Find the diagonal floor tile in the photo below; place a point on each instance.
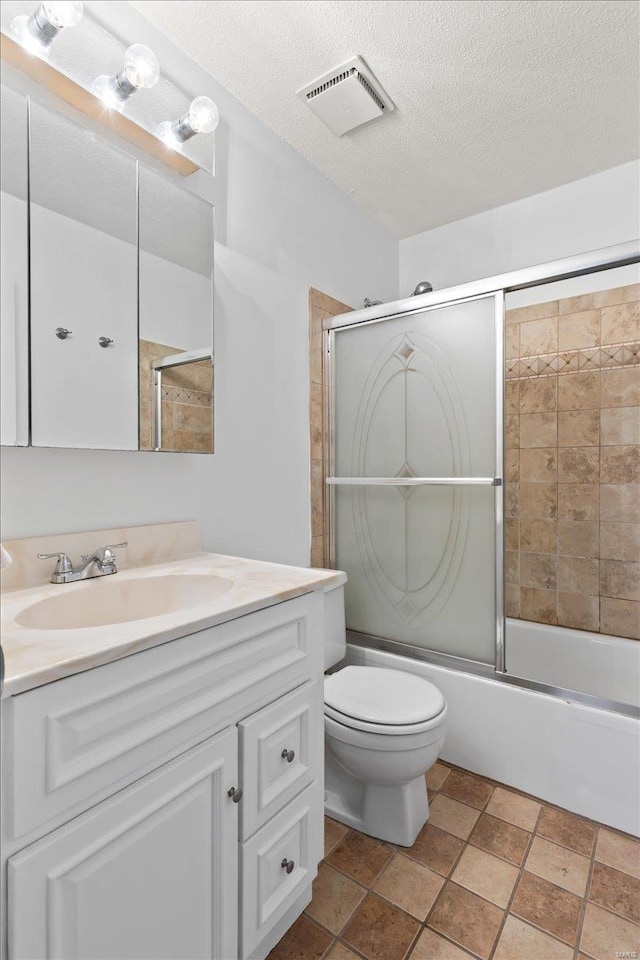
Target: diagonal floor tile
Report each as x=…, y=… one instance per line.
x=500, y=838
x=486, y=875
x=437, y=775
x=360, y=857
x=303, y=941
x=616, y=891
x=333, y=834
x=520, y=941
x=334, y=899
x=559, y=865
x=514, y=808
x=604, y=935
x=340, y=952
x=467, y=788
x=409, y=885
x=620, y=852
x=547, y=906
x=436, y=849
x=431, y=946
x=466, y=919
x=568, y=830
x=380, y=931
x=454, y=817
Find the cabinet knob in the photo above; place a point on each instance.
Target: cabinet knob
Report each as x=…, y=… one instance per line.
x=104, y=341
x=287, y=865
x=235, y=793
x=288, y=755
x=62, y=333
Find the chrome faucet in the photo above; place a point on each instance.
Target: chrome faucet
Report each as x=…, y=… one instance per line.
x=100, y=563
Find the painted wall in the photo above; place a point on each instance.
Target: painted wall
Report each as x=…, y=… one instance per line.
x=282, y=227
x=595, y=212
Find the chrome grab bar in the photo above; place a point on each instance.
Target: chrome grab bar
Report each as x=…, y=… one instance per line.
x=415, y=481
x=167, y=363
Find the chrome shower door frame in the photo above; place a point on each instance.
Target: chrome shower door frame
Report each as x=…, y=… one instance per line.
x=622, y=254
x=496, y=481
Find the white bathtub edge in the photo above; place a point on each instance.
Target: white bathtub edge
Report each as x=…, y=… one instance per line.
x=581, y=758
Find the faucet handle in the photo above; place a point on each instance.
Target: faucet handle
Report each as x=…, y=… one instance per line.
x=116, y=546
x=108, y=556
x=63, y=565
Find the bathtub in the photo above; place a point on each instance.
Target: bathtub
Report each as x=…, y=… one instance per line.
x=591, y=663
x=578, y=756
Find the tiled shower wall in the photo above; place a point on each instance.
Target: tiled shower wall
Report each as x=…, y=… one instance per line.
x=573, y=462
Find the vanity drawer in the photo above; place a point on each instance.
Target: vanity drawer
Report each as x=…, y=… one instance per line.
x=281, y=752
x=268, y=890
x=74, y=742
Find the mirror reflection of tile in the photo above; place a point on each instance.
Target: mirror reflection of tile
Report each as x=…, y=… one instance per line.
x=187, y=402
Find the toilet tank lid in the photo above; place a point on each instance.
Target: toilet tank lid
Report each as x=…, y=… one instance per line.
x=380, y=695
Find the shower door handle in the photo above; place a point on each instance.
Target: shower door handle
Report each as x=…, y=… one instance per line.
x=415, y=481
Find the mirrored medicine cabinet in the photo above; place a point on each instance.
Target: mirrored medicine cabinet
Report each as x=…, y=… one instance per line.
x=106, y=293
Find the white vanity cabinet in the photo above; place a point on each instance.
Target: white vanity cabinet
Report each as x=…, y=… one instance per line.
x=122, y=832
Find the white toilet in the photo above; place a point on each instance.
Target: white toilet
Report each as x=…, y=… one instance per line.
x=383, y=730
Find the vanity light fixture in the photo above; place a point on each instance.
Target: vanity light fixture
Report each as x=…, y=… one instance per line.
x=201, y=117
x=141, y=71
x=37, y=32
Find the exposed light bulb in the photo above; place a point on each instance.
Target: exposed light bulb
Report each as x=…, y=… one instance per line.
x=37, y=32
x=201, y=117
x=141, y=70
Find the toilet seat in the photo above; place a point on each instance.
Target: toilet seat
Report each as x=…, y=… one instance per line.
x=382, y=701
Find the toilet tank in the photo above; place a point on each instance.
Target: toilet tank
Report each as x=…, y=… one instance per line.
x=335, y=633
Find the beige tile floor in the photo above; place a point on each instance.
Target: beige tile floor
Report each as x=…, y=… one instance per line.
x=495, y=874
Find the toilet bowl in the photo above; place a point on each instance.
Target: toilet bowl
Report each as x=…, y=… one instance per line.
x=383, y=730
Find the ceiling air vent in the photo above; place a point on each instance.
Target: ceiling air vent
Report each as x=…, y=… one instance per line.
x=346, y=97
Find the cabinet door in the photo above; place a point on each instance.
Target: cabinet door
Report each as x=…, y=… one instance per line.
x=149, y=873
x=84, y=278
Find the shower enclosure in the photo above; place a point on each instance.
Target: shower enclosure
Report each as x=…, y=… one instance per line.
x=414, y=466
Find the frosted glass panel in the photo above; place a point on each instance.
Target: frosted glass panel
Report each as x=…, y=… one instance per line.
x=420, y=562
x=416, y=395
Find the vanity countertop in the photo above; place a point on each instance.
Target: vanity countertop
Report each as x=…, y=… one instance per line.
x=37, y=656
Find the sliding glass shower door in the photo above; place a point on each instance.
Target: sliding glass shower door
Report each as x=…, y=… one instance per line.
x=415, y=476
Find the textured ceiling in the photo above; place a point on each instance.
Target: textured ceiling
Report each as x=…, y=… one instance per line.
x=496, y=99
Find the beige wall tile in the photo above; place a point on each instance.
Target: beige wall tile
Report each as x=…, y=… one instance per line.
x=621, y=618
x=580, y=612
x=317, y=491
x=578, y=538
x=539, y=336
x=620, y=323
x=538, y=501
x=538, y=605
x=538, y=570
x=620, y=388
x=538, y=429
x=317, y=552
x=512, y=397
x=579, y=575
x=620, y=501
x=538, y=536
x=576, y=330
x=578, y=428
x=600, y=298
x=512, y=431
x=620, y=425
x=620, y=580
x=512, y=500
x=578, y=501
x=512, y=341
x=620, y=541
x=512, y=566
x=534, y=311
x=538, y=395
x=512, y=600
x=511, y=533
x=315, y=414
x=578, y=464
x=512, y=465
x=620, y=464
x=539, y=463
x=187, y=416
x=579, y=391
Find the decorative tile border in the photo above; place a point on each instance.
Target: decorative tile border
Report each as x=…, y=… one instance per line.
x=181, y=395
x=572, y=361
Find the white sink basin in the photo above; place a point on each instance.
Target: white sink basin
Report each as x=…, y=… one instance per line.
x=103, y=601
